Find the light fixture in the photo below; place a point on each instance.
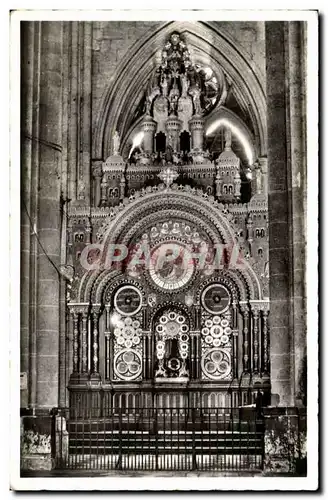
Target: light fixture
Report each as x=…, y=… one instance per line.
x=137, y=140
x=223, y=122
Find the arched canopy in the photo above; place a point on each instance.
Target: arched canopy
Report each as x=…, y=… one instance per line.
x=207, y=45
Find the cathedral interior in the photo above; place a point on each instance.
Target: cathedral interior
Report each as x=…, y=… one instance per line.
x=163, y=166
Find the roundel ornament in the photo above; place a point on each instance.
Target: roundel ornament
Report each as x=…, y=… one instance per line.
x=128, y=300
x=216, y=299
x=171, y=266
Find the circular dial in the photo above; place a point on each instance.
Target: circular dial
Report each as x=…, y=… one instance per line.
x=216, y=299
x=128, y=364
x=128, y=300
x=216, y=364
x=171, y=266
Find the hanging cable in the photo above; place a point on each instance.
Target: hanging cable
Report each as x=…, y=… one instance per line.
x=38, y=239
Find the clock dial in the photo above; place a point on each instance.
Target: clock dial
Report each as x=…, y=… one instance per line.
x=128, y=300
x=171, y=266
x=216, y=299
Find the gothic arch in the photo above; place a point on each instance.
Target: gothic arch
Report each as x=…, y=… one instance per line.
x=137, y=65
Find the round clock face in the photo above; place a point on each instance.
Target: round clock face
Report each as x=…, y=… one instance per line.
x=128, y=300
x=216, y=299
x=171, y=266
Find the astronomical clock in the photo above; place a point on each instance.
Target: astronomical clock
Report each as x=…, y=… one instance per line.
x=169, y=303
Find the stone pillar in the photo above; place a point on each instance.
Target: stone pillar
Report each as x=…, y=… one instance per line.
x=30, y=67
x=297, y=195
x=286, y=188
x=48, y=225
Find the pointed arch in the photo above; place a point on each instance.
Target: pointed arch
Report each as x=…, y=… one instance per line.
x=137, y=65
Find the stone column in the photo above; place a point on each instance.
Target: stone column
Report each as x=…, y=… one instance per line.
x=286, y=188
x=278, y=213
x=297, y=194
x=30, y=67
x=47, y=192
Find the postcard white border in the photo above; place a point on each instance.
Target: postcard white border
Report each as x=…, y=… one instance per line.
x=188, y=481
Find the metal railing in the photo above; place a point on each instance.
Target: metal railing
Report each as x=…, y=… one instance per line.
x=177, y=439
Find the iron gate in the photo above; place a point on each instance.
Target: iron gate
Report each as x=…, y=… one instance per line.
x=179, y=439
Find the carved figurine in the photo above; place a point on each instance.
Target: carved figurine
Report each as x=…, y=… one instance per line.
x=116, y=144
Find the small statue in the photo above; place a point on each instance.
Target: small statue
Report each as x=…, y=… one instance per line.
x=165, y=228
x=154, y=232
x=169, y=154
x=198, y=109
x=164, y=86
x=187, y=231
x=116, y=144
x=184, y=85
